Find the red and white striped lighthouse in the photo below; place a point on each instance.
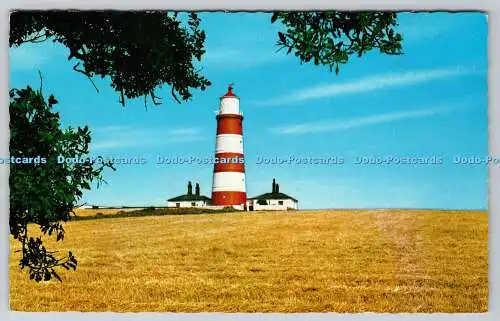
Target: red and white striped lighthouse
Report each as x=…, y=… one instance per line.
x=229, y=186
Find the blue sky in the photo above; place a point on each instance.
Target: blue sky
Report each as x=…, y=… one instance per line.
x=431, y=101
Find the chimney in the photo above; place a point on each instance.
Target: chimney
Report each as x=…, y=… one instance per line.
x=274, y=186
x=277, y=188
x=197, y=189
x=190, y=188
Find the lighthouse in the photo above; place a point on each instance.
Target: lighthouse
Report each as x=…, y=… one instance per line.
x=229, y=186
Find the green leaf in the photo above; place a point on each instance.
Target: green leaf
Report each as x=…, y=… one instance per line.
x=274, y=17
x=282, y=37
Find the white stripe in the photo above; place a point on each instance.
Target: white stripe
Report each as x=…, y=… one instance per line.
x=229, y=182
x=229, y=143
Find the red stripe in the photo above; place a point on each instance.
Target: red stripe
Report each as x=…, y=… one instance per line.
x=229, y=198
x=229, y=162
x=229, y=124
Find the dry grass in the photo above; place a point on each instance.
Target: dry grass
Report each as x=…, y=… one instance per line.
x=342, y=261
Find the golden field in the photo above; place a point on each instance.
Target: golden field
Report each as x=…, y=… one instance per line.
x=306, y=261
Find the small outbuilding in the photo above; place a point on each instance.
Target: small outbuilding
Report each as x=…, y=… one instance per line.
x=189, y=199
x=274, y=201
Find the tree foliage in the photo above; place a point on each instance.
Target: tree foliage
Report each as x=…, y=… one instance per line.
x=140, y=51
x=44, y=191
x=331, y=37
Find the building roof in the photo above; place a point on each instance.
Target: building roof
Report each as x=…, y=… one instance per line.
x=189, y=198
x=273, y=196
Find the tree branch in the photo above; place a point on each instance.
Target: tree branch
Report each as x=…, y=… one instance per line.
x=75, y=68
x=35, y=39
x=154, y=97
x=173, y=95
x=122, y=97
x=41, y=81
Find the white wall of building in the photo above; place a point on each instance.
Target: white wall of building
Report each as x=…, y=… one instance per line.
x=202, y=204
x=274, y=205
x=187, y=204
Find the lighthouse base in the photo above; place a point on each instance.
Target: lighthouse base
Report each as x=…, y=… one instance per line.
x=229, y=198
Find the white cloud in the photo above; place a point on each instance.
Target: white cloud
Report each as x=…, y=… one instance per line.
x=369, y=84
x=346, y=124
x=189, y=131
x=109, y=144
x=110, y=137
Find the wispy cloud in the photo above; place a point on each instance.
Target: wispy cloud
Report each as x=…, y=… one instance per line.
x=184, y=132
x=369, y=84
x=351, y=123
x=112, y=137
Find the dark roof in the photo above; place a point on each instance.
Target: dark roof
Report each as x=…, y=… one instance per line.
x=188, y=197
x=273, y=196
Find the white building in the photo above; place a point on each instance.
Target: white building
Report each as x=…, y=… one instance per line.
x=189, y=199
x=274, y=201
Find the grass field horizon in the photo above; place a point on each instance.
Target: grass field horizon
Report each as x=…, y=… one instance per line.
x=302, y=261
x=119, y=212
